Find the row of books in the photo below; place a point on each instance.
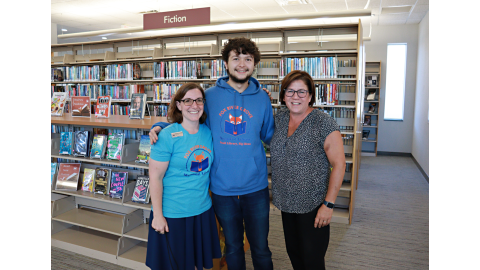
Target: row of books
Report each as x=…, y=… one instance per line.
x=119, y=72
x=99, y=180
x=340, y=112
x=347, y=139
x=158, y=110
x=176, y=69
x=101, y=146
x=81, y=106
x=326, y=94
x=317, y=67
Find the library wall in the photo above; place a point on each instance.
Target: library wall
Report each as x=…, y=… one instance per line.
x=420, y=145
x=395, y=136
x=54, y=33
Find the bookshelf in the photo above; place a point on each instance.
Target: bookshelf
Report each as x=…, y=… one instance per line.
x=276, y=46
x=373, y=72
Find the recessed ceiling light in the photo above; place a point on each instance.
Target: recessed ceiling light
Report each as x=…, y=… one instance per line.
x=394, y=10
x=104, y=37
x=64, y=30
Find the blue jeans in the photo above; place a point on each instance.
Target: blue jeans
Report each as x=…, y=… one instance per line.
x=232, y=212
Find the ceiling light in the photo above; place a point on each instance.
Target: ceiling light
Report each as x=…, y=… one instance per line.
x=292, y=2
x=64, y=29
x=395, y=10
x=104, y=37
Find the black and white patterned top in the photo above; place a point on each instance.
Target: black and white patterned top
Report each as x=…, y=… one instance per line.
x=300, y=168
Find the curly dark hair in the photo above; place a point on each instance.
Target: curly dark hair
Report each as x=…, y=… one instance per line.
x=242, y=46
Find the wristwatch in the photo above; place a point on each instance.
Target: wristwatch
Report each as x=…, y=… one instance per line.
x=329, y=204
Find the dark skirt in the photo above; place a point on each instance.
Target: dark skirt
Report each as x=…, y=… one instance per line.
x=193, y=241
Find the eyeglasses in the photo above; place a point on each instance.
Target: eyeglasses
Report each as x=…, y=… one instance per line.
x=301, y=93
x=189, y=101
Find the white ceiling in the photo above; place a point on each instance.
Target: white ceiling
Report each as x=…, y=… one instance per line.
x=91, y=15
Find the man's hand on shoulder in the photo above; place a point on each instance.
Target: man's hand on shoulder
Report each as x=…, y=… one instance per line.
x=268, y=93
x=153, y=134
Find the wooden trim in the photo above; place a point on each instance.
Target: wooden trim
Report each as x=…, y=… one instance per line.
x=117, y=121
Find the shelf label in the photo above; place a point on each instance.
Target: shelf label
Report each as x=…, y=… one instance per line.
x=187, y=17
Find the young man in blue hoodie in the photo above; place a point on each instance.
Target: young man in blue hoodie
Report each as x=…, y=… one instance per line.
x=240, y=117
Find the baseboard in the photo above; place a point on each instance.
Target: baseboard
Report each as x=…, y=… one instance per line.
x=421, y=170
x=400, y=154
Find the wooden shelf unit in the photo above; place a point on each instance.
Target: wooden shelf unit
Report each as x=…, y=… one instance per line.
x=128, y=247
x=369, y=146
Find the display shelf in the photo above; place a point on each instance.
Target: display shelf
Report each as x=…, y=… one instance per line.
x=117, y=121
x=91, y=220
x=369, y=147
x=140, y=233
x=147, y=206
x=91, y=243
x=135, y=257
x=90, y=195
x=86, y=159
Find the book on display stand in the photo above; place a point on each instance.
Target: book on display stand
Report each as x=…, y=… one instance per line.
x=58, y=103
x=67, y=177
x=80, y=106
x=141, y=193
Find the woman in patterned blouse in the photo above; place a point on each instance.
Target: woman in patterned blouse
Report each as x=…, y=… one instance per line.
x=304, y=147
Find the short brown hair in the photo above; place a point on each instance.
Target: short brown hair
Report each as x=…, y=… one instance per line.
x=294, y=76
x=174, y=115
x=242, y=46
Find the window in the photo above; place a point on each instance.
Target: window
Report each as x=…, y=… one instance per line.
x=395, y=83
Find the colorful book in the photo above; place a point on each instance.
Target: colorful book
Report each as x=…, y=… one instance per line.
x=54, y=171
x=143, y=150
x=115, y=146
x=58, y=103
x=117, y=182
x=67, y=177
x=103, y=107
x=141, y=193
x=102, y=181
x=81, y=106
x=82, y=142
x=88, y=179
x=137, y=107
x=66, y=143
x=99, y=145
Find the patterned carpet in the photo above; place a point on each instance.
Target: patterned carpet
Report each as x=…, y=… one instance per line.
x=389, y=228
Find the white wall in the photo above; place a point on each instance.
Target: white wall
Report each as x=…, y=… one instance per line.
x=420, y=144
x=395, y=136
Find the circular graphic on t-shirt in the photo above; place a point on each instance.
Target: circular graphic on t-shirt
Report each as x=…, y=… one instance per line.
x=199, y=159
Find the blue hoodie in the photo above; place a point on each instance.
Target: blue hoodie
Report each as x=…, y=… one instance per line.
x=239, y=123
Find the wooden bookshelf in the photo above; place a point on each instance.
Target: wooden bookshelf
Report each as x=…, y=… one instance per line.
x=369, y=146
x=108, y=237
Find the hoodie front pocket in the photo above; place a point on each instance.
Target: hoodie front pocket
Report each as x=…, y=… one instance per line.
x=236, y=174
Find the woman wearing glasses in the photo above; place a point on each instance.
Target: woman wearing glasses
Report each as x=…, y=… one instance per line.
x=305, y=144
x=183, y=232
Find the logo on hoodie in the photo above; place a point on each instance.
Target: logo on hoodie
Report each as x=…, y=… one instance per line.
x=234, y=125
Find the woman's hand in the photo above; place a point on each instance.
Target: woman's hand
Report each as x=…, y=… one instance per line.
x=153, y=134
x=324, y=216
x=159, y=224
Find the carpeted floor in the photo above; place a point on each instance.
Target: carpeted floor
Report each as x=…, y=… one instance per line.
x=389, y=228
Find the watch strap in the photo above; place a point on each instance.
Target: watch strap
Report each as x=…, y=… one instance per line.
x=329, y=204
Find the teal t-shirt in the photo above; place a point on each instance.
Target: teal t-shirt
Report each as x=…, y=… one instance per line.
x=186, y=181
